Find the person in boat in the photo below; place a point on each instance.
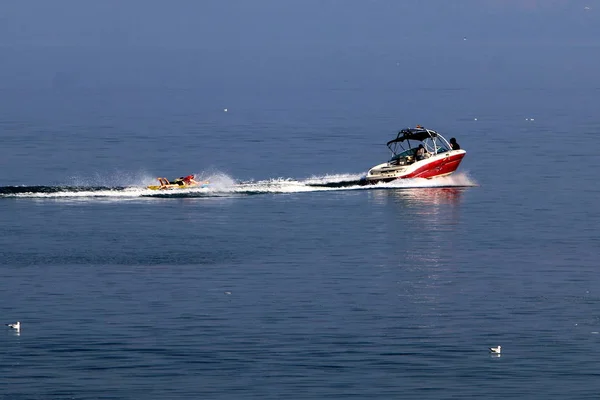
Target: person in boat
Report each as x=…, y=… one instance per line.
x=420, y=153
x=454, y=144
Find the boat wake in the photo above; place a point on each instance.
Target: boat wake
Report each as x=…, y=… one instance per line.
x=222, y=185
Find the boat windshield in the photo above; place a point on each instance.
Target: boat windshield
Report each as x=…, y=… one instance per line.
x=405, y=153
x=411, y=152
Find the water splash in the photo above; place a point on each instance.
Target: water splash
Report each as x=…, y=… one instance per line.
x=112, y=179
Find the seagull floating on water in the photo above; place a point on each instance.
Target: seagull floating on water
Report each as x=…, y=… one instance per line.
x=16, y=326
x=496, y=350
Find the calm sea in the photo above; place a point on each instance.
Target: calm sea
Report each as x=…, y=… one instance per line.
x=266, y=287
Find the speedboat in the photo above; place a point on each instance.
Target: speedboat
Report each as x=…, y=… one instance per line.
x=436, y=159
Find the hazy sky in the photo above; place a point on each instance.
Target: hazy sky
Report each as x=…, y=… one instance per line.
x=270, y=43
x=264, y=23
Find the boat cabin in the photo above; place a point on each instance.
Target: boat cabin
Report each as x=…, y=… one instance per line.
x=406, y=144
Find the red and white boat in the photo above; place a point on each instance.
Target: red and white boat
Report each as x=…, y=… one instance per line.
x=439, y=159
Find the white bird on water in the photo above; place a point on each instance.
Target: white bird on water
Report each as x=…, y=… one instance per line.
x=16, y=326
x=496, y=350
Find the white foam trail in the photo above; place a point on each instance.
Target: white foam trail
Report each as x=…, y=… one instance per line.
x=218, y=181
x=129, y=193
x=221, y=184
x=287, y=185
x=280, y=185
x=333, y=178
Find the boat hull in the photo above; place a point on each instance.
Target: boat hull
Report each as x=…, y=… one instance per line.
x=433, y=167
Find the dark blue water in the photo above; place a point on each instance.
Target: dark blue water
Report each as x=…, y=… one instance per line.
x=264, y=286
